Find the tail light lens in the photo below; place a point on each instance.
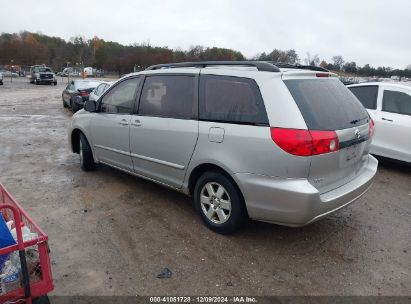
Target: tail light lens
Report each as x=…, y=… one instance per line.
x=322, y=75
x=305, y=142
x=371, y=128
x=84, y=93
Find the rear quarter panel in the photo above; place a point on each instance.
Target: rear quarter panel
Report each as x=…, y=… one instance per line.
x=249, y=148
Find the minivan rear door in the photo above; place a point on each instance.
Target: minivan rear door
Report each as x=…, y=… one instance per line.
x=164, y=132
x=327, y=105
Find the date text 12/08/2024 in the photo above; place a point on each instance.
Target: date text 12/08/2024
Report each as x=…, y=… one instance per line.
x=203, y=299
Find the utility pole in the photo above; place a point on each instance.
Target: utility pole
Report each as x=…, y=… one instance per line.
x=68, y=73
x=11, y=75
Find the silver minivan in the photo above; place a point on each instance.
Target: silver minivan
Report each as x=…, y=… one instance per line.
x=287, y=145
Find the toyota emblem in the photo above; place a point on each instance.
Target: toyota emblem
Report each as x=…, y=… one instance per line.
x=357, y=134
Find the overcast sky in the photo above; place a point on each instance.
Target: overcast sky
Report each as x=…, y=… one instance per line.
x=366, y=31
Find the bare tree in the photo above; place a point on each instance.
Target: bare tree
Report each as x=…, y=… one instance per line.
x=338, y=62
x=312, y=59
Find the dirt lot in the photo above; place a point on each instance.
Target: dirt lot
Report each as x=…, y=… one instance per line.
x=111, y=233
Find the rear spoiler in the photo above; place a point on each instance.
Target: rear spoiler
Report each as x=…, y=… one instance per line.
x=299, y=66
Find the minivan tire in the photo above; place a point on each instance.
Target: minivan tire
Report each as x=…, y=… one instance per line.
x=237, y=214
x=86, y=154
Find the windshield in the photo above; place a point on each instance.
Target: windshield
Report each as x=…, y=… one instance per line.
x=326, y=104
x=44, y=70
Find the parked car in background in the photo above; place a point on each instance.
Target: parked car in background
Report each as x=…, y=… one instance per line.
x=99, y=90
x=244, y=139
x=1, y=78
x=41, y=74
x=76, y=88
x=6, y=73
x=92, y=72
x=389, y=105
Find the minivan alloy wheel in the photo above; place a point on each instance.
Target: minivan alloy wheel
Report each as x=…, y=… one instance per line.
x=215, y=202
x=86, y=155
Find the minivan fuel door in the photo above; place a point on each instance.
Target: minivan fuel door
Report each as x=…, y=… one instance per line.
x=216, y=134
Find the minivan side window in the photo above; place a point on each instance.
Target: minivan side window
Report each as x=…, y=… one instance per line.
x=170, y=96
x=367, y=95
x=396, y=102
x=231, y=100
x=121, y=97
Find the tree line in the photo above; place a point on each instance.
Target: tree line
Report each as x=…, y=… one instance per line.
x=26, y=48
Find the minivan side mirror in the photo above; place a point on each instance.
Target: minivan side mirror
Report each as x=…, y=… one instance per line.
x=90, y=106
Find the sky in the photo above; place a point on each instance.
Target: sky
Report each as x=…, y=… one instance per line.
x=365, y=31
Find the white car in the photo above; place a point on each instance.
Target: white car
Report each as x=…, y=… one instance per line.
x=99, y=90
x=389, y=105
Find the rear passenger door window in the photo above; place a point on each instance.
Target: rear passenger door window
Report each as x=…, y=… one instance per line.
x=367, y=95
x=231, y=100
x=120, y=99
x=396, y=102
x=171, y=96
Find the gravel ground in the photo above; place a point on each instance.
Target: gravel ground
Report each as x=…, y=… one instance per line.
x=112, y=233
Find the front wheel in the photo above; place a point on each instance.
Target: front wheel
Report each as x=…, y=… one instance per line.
x=86, y=155
x=219, y=202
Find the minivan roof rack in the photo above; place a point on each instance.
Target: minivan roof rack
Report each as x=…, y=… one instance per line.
x=260, y=65
x=299, y=66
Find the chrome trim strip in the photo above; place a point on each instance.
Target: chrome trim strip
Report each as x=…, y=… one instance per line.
x=161, y=162
x=112, y=150
x=143, y=177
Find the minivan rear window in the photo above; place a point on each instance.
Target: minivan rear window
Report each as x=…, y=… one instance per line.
x=231, y=99
x=326, y=104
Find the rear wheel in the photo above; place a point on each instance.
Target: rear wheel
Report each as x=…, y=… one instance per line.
x=86, y=155
x=219, y=202
x=73, y=106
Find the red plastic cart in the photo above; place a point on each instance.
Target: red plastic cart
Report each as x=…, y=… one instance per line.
x=36, y=276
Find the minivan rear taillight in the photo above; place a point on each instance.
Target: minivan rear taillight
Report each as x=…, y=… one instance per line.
x=305, y=142
x=371, y=128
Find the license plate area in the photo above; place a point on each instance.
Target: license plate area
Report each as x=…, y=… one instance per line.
x=350, y=155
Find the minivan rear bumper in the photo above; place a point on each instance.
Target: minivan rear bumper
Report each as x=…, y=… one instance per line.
x=296, y=202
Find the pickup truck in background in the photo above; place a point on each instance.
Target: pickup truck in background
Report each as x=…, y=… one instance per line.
x=41, y=74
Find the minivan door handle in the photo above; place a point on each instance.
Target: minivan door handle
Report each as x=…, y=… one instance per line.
x=124, y=122
x=136, y=123
x=386, y=119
